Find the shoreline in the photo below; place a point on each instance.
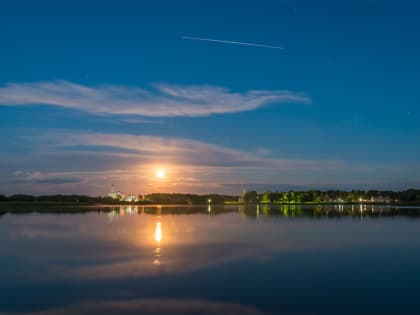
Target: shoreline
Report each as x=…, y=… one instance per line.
x=81, y=204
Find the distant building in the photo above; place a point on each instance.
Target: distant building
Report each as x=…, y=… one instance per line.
x=116, y=194
x=381, y=199
x=132, y=198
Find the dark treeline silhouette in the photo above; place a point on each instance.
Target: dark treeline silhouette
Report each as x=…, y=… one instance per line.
x=248, y=197
x=332, y=196
x=155, y=198
x=162, y=198
x=59, y=199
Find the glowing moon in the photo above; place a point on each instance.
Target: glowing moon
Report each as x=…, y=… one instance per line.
x=160, y=173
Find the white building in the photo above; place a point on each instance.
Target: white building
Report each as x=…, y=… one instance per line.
x=132, y=198
x=116, y=194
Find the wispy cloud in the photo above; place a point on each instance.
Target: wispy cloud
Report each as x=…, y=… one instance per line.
x=181, y=151
x=231, y=42
x=159, y=101
x=94, y=160
x=46, y=178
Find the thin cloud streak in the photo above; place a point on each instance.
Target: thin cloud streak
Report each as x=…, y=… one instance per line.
x=91, y=161
x=182, y=151
x=230, y=42
x=45, y=178
x=70, y=161
x=162, y=100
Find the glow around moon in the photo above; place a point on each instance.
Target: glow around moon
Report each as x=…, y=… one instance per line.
x=160, y=173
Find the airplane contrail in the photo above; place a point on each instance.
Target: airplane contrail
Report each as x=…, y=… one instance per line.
x=230, y=42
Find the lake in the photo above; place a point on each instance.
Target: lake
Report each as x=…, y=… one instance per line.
x=211, y=260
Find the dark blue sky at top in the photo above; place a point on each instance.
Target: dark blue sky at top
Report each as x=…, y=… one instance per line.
x=358, y=61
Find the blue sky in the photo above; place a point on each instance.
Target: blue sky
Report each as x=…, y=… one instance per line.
x=100, y=93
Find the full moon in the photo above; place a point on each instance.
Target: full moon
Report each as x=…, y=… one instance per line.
x=160, y=173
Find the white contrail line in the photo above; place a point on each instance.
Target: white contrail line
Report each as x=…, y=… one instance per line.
x=230, y=42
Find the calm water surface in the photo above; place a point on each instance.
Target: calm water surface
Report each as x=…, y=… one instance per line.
x=212, y=260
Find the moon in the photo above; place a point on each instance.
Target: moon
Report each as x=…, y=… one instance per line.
x=160, y=173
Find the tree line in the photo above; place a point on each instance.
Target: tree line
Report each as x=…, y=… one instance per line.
x=331, y=196
x=247, y=197
x=154, y=198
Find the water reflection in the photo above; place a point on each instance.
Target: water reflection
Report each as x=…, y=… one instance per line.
x=318, y=211
x=114, y=213
x=158, y=238
x=209, y=259
x=158, y=231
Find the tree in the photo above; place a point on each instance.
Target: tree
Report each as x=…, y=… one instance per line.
x=250, y=196
x=266, y=197
x=275, y=197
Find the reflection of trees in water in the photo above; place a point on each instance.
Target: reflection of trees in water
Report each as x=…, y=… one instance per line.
x=250, y=211
x=319, y=211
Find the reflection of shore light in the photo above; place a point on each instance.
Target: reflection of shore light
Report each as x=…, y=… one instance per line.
x=158, y=232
